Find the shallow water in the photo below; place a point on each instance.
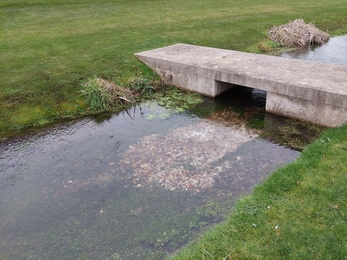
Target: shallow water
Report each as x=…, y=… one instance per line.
x=335, y=51
x=140, y=184
x=128, y=187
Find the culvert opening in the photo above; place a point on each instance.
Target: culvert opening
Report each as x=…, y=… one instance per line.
x=242, y=95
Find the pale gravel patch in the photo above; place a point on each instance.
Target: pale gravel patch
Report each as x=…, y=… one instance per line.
x=184, y=159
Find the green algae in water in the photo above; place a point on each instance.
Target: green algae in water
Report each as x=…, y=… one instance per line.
x=243, y=105
x=290, y=132
x=174, y=100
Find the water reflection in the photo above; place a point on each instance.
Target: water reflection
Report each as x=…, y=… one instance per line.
x=335, y=51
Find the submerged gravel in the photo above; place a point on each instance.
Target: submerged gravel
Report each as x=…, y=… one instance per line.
x=184, y=159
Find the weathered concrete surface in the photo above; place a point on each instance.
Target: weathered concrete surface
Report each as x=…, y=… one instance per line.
x=310, y=91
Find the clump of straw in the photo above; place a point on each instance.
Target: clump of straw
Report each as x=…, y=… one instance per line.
x=102, y=95
x=297, y=34
x=118, y=93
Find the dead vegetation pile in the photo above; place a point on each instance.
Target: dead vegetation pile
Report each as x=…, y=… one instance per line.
x=297, y=34
x=118, y=93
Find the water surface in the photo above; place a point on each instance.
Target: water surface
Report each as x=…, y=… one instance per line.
x=140, y=184
x=128, y=187
x=335, y=51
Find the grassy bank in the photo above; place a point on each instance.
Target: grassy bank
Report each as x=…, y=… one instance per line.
x=300, y=212
x=48, y=48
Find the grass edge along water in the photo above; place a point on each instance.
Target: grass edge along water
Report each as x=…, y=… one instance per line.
x=49, y=49
x=299, y=212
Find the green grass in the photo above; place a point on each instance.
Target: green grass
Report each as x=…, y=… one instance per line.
x=299, y=212
x=49, y=47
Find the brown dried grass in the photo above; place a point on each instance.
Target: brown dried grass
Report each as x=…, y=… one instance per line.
x=297, y=34
x=119, y=93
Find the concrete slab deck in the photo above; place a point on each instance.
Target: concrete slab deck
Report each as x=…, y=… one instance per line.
x=293, y=86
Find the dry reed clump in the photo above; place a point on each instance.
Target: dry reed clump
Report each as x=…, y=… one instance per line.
x=297, y=34
x=118, y=93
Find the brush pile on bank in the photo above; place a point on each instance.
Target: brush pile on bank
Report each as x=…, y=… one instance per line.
x=297, y=34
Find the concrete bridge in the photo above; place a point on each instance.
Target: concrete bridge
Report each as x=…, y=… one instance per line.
x=306, y=90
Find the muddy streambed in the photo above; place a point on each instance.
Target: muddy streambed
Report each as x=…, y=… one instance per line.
x=140, y=184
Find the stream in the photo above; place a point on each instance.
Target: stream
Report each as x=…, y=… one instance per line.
x=142, y=183
x=335, y=51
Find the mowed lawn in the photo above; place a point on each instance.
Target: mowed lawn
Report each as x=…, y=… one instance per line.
x=48, y=47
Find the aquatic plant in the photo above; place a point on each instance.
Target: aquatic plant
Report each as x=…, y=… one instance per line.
x=297, y=34
x=176, y=99
x=142, y=85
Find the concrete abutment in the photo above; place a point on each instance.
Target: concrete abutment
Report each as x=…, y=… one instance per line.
x=306, y=90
